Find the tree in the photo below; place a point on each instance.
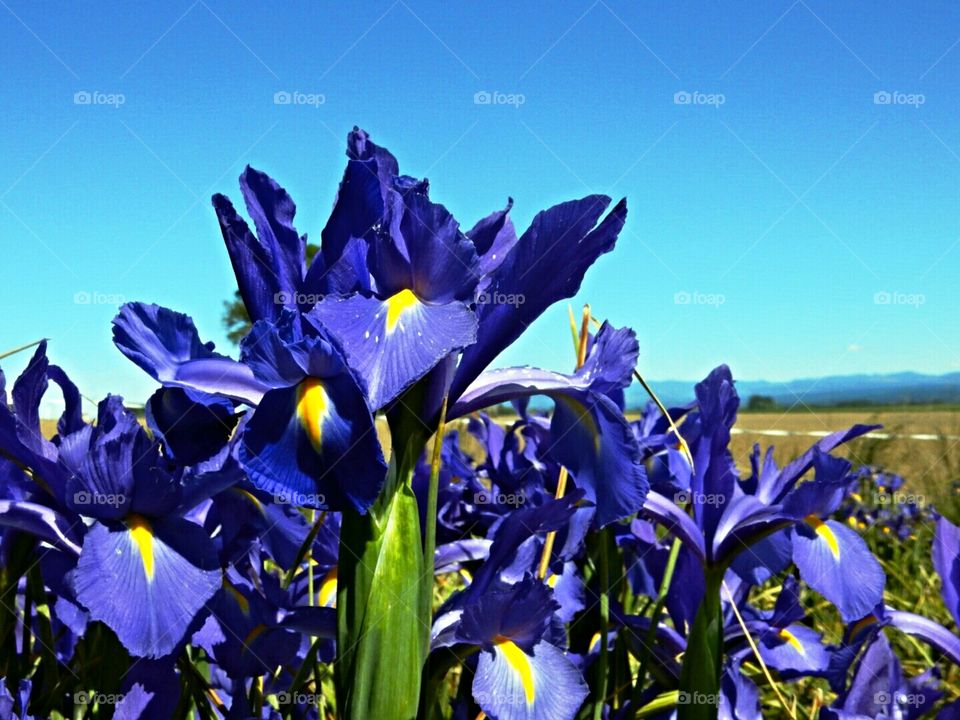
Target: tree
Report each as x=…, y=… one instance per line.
x=761, y=402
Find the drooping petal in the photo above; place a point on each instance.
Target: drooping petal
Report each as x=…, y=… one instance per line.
x=794, y=651
x=764, y=559
x=393, y=343
x=609, y=365
x=167, y=346
x=314, y=444
x=594, y=441
x=511, y=684
x=546, y=265
x=929, y=631
x=666, y=512
x=147, y=580
x=836, y=562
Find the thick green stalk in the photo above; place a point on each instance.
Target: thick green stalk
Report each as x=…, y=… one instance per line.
x=700, y=677
x=382, y=620
x=379, y=629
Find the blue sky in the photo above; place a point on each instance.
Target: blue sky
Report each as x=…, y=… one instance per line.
x=784, y=218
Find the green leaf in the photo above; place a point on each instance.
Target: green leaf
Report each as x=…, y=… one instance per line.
x=380, y=632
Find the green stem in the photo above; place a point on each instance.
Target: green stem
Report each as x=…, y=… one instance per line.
x=604, y=581
x=702, y=661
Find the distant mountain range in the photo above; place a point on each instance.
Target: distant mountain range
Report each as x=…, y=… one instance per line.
x=896, y=388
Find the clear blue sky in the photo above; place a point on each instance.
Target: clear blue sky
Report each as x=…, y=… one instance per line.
x=794, y=202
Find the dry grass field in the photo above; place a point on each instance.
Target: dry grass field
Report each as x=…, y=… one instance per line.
x=930, y=464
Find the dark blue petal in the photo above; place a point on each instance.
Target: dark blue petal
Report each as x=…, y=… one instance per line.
x=167, y=346
x=39, y=520
x=494, y=237
x=546, y=265
x=272, y=211
x=593, y=440
x=314, y=444
x=192, y=425
x=779, y=486
x=252, y=263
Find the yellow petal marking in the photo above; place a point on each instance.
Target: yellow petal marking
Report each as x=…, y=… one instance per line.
x=789, y=637
x=312, y=407
x=237, y=596
x=328, y=588
x=396, y=305
x=142, y=535
x=520, y=662
x=825, y=533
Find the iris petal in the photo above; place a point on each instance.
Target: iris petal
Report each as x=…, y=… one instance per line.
x=393, y=343
x=314, y=444
x=836, y=562
x=512, y=685
x=147, y=582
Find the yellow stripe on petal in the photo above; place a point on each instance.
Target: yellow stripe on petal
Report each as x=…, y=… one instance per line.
x=396, y=305
x=328, y=588
x=237, y=596
x=861, y=625
x=790, y=638
x=142, y=535
x=825, y=533
x=312, y=407
x=520, y=662
x=594, y=642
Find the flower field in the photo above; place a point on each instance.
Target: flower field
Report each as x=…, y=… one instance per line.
x=360, y=516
